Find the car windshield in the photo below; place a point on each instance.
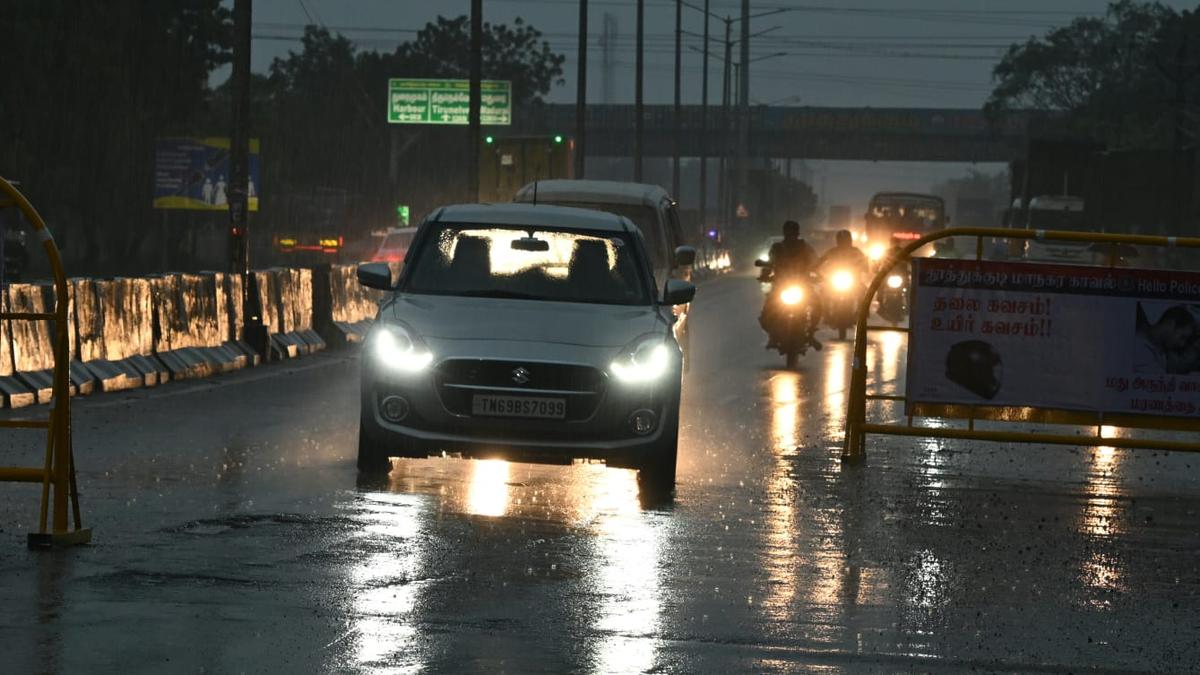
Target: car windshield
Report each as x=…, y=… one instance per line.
x=1063, y=220
x=529, y=264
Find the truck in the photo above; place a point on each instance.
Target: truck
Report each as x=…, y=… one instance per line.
x=506, y=164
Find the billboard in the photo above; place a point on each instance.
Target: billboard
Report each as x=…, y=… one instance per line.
x=1089, y=339
x=419, y=101
x=193, y=173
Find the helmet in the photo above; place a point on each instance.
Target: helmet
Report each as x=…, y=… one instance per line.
x=791, y=229
x=843, y=238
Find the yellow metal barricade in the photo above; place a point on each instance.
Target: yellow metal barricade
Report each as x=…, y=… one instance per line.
x=858, y=426
x=57, y=474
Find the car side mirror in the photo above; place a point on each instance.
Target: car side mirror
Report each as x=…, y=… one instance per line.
x=678, y=292
x=375, y=275
x=685, y=256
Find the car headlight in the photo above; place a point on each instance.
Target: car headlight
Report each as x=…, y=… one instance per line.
x=895, y=281
x=792, y=295
x=646, y=360
x=842, y=281
x=395, y=348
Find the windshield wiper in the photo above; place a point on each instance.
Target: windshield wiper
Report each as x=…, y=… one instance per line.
x=511, y=295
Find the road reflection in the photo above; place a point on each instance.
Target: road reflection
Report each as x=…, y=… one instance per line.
x=1102, y=570
x=621, y=570
x=385, y=583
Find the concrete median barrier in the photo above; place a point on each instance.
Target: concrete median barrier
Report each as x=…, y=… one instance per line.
x=190, y=338
x=343, y=309
x=286, y=295
x=114, y=332
x=33, y=344
x=14, y=392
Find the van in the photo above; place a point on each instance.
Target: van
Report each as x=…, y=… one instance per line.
x=649, y=207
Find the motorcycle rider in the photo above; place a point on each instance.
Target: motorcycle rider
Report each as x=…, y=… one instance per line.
x=791, y=259
x=846, y=254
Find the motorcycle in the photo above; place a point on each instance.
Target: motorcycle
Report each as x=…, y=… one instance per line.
x=893, y=298
x=788, y=316
x=845, y=294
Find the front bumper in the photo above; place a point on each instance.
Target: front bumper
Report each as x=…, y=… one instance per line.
x=599, y=429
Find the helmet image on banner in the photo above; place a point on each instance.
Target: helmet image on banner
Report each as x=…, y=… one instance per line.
x=975, y=366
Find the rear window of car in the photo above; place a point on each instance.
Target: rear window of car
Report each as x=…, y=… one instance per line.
x=646, y=220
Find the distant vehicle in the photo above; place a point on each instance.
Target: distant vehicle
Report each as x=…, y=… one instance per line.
x=1057, y=212
x=394, y=245
x=310, y=247
x=903, y=216
x=649, y=207
x=523, y=331
x=508, y=162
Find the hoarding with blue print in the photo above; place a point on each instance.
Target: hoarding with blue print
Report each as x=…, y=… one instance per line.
x=193, y=173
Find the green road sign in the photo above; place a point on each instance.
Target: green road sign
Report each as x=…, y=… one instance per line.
x=416, y=101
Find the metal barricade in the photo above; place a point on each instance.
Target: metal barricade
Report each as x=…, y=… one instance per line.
x=57, y=474
x=858, y=426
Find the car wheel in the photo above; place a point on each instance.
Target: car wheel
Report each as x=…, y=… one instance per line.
x=372, y=454
x=656, y=473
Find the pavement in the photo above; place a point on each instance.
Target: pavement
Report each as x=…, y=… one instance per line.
x=233, y=534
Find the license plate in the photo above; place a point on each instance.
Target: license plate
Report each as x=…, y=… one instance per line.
x=519, y=406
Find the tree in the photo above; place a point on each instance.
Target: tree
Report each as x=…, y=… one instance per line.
x=1106, y=75
x=326, y=132
x=89, y=87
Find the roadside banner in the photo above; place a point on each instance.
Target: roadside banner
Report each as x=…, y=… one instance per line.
x=1022, y=335
x=193, y=173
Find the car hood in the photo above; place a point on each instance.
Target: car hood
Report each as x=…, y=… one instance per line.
x=456, y=318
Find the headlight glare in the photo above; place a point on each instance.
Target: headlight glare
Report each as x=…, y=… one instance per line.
x=842, y=281
x=647, y=361
x=876, y=252
x=895, y=281
x=792, y=295
x=395, y=349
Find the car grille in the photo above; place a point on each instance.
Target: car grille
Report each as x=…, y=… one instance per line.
x=458, y=380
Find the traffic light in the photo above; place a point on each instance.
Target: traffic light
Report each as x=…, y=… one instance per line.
x=402, y=213
x=558, y=138
x=489, y=139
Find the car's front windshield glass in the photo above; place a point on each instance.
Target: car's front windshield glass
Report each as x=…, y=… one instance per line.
x=529, y=263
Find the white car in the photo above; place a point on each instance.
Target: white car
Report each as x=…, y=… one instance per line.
x=532, y=332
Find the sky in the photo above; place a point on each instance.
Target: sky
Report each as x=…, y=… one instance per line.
x=870, y=53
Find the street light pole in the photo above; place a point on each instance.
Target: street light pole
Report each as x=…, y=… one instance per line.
x=744, y=105
x=678, y=121
x=473, y=133
x=704, y=129
x=581, y=91
x=725, y=193
x=637, y=95
x=253, y=330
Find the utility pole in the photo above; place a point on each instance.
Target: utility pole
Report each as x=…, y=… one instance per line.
x=476, y=100
x=744, y=106
x=704, y=129
x=253, y=330
x=637, y=95
x=581, y=91
x=725, y=193
x=678, y=112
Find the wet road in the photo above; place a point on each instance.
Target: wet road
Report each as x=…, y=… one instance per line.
x=232, y=535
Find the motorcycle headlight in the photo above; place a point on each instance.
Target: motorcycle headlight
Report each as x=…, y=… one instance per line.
x=396, y=348
x=895, y=281
x=876, y=252
x=792, y=295
x=646, y=360
x=842, y=281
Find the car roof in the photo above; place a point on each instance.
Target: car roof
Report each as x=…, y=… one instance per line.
x=539, y=215
x=594, y=191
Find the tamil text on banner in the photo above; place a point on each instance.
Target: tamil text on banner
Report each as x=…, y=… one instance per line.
x=1093, y=339
x=193, y=173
